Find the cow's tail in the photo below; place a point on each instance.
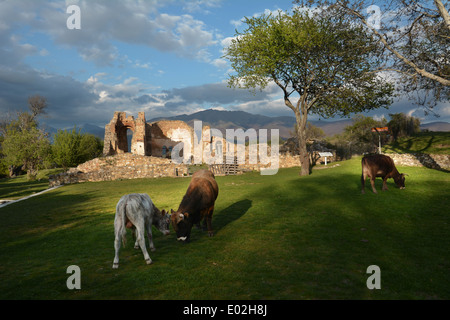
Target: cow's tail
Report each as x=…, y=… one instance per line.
x=120, y=221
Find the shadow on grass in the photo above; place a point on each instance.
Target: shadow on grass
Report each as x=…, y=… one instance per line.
x=333, y=233
x=231, y=213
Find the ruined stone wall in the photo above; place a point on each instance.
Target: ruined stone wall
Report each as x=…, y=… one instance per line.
x=116, y=141
x=165, y=135
x=120, y=167
x=433, y=161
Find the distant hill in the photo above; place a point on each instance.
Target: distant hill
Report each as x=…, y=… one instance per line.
x=239, y=119
x=222, y=120
x=436, y=126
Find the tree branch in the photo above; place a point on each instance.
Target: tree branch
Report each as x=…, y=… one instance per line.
x=444, y=13
x=420, y=71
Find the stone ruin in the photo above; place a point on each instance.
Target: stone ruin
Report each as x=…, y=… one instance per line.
x=155, y=139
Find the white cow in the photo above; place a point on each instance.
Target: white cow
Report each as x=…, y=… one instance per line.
x=137, y=212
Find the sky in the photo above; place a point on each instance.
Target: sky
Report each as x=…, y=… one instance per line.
x=161, y=57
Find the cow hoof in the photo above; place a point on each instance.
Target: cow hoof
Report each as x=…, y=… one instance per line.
x=115, y=266
x=149, y=261
x=152, y=249
x=211, y=234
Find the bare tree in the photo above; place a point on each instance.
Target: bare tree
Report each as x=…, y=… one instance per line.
x=416, y=40
x=37, y=105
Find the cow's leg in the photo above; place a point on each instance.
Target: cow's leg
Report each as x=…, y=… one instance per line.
x=150, y=237
x=384, y=184
x=140, y=235
x=204, y=224
x=372, y=183
x=118, y=236
x=136, y=244
x=363, y=182
x=208, y=219
x=117, y=248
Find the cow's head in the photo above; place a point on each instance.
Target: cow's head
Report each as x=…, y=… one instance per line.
x=163, y=221
x=180, y=225
x=400, y=180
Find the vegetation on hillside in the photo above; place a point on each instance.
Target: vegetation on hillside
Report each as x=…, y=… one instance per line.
x=423, y=142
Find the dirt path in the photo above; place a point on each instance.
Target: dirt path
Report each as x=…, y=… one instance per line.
x=4, y=203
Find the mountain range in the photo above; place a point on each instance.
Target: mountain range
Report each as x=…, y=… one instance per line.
x=222, y=120
x=239, y=119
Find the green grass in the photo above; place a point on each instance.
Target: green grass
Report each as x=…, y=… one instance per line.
x=424, y=142
x=277, y=237
x=16, y=188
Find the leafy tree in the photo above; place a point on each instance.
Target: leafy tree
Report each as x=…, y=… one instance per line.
x=312, y=132
x=358, y=137
x=402, y=125
x=28, y=146
x=72, y=148
x=323, y=60
x=24, y=144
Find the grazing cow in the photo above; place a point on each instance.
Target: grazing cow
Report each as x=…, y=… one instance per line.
x=379, y=165
x=137, y=212
x=197, y=204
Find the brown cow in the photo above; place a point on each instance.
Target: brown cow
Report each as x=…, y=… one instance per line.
x=197, y=204
x=379, y=165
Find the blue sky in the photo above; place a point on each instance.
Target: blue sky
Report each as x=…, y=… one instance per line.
x=163, y=57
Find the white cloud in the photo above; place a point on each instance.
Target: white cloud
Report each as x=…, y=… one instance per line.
x=104, y=24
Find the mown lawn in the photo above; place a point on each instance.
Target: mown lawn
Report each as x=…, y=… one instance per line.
x=424, y=142
x=277, y=237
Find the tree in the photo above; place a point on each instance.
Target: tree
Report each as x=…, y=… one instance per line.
x=360, y=137
x=415, y=36
x=402, y=125
x=322, y=59
x=72, y=148
x=25, y=146
x=37, y=105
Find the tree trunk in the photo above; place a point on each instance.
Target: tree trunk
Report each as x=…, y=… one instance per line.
x=301, y=136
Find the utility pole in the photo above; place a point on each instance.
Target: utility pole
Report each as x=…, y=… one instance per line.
x=379, y=130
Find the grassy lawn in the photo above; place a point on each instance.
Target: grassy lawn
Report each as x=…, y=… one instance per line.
x=277, y=237
x=424, y=142
x=16, y=188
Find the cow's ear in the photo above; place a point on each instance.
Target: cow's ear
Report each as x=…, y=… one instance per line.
x=186, y=214
x=171, y=211
x=163, y=212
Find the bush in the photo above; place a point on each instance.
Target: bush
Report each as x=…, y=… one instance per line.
x=73, y=148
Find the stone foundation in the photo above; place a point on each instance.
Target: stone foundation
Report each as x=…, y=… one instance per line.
x=432, y=161
x=120, y=167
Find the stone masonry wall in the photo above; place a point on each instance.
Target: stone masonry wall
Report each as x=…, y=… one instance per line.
x=433, y=161
x=122, y=166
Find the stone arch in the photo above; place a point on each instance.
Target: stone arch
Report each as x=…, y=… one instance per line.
x=116, y=135
x=124, y=143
